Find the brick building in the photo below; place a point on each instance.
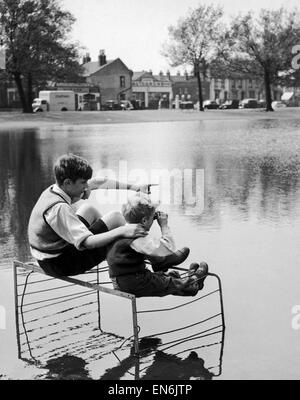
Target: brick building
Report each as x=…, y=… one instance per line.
x=112, y=76
x=150, y=90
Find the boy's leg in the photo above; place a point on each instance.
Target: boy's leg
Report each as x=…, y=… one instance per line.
x=89, y=213
x=90, y=216
x=113, y=220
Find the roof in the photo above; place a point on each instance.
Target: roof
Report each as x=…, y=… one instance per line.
x=93, y=66
x=137, y=74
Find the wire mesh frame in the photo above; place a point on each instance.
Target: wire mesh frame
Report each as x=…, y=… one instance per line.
x=204, y=333
x=30, y=267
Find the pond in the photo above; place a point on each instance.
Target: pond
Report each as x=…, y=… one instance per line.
x=236, y=205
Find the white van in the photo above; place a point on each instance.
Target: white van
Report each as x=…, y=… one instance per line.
x=54, y=100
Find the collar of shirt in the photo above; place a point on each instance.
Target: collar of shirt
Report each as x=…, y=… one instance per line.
x=59, y=191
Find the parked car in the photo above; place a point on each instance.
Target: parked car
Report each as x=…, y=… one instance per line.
x=186, y=105
x=126, y=105
x=261, y=103
x=248, y=103
x=230, y=104
x=111, y=105
x=278, y=104
x=210, y=105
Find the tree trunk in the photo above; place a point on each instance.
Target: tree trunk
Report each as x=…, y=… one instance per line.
x=268, y=90
x=18, y=80
x=29, y=92
x=197, y=73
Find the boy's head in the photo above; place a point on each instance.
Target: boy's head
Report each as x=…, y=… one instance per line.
x=139, y=209
x=71, y=167
x=71, y=174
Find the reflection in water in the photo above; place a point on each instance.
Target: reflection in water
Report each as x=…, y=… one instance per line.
x=67, y=367
x=163, y=366
x=22, y=180
x=246, y=169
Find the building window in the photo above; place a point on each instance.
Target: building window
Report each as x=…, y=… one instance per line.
x=250, y=83
x=122, y=81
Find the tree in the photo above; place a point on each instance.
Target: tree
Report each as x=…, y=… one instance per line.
x=37, y=46
x=262, y=46
x=195, y=41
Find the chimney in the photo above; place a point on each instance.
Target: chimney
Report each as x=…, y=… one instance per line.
x=102, y=58
x=186, y=75
x=169, y=75
x=178, y=73
x=86, y=58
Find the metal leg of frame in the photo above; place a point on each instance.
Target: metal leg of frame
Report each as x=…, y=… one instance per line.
x=98, y=302
x=17, y=308
x=223, y=321
x=135, y=327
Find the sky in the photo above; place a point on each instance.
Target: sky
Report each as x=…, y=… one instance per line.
x=135, y=30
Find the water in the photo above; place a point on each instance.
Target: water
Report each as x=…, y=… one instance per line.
x=247, y=232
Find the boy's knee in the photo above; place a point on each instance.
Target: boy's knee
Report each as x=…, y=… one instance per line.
x=89, y=213
x=113, y=220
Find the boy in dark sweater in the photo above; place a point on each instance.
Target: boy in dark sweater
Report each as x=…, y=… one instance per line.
x=126, y=257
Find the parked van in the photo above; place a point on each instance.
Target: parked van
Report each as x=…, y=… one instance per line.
x=54, y=100
x=248, y=103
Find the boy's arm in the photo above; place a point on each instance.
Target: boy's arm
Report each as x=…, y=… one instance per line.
x=157, y=247
x=105, y=183
x=68, y=226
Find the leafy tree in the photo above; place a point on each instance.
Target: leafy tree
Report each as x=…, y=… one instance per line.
x=37, y=47
x=195, y=40
x=262, y=46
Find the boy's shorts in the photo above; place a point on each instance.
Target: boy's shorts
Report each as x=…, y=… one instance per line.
x=73, y=261
x=150, y=284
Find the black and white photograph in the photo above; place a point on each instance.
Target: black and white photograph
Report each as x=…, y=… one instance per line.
x=150, y=206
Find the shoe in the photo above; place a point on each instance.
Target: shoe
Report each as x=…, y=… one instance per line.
x=163, y=263
x=174, y=274
x=201, y=273
x=193, y=268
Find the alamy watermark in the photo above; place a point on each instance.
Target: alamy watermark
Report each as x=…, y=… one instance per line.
x=296, y=317
x=2, y=318
x=182, y=187
x=296, y=59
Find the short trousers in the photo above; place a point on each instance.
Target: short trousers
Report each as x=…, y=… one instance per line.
x=73, y=261
x=154, y=284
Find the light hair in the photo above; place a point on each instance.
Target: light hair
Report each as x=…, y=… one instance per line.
x=137, y=207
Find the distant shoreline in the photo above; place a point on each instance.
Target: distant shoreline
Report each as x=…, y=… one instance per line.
x=18, y=120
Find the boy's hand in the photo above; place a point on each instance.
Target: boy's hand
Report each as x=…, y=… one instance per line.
x=86, y=194
x=162, y=218
x=146, y=188
x=133, y=231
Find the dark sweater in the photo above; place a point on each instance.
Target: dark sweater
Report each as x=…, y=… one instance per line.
x=123, y=260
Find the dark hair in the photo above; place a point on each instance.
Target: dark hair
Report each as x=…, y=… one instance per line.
x=137, y=207
x=71, y=167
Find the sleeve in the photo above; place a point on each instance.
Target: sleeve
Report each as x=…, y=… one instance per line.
x=64, y=221
x=150, y=246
